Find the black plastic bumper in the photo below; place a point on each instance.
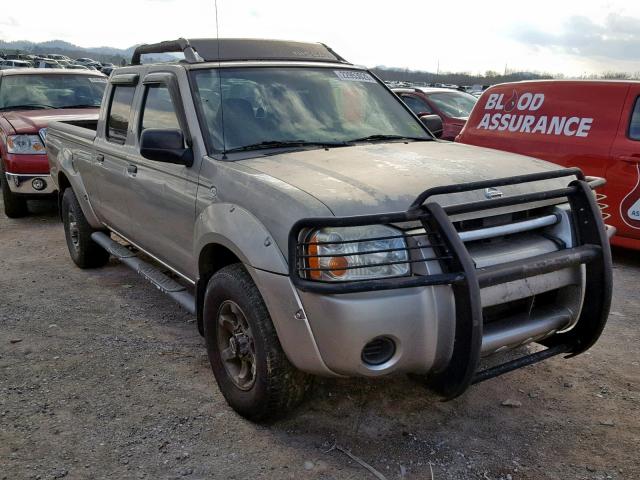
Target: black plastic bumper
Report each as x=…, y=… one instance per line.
x=459, y=271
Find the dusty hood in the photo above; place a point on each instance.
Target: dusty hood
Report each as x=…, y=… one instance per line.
x=31, y=121
x=378, y=178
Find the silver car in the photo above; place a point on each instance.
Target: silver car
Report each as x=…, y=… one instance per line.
x=315, y=226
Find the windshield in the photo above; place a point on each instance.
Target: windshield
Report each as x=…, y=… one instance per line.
x=305, y=105
x=51, y=91
x=454, y=104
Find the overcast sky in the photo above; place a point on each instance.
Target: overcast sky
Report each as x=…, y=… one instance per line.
x=567, y=36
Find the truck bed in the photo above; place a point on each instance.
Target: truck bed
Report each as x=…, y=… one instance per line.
x=75, y=129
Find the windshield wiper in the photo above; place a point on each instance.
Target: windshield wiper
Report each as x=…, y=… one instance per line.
x=29, y=106
x=285, y=144
x=86, y=105
x=373, y=138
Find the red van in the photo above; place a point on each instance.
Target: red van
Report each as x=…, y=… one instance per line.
x=594, y=125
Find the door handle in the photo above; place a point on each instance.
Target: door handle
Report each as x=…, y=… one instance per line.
x=100, y=158
x=633, y=158
x=132, y=170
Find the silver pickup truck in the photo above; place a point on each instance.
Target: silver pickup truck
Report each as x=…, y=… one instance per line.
x=315, y=225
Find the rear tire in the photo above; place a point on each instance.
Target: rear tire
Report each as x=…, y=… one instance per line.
x=14, y=205
x=83, y=250
x=252, y=371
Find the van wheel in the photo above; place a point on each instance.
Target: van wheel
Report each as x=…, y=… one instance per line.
x=14, y=205
x=246, y=357
x=84, y=252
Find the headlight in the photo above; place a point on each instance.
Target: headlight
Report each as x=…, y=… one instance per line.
x=25, y=144
x=339, y=254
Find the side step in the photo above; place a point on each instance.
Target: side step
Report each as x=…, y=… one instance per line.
x=164, y=283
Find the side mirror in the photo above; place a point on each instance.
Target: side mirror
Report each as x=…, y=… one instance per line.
x=433, y=123
x=165, y=145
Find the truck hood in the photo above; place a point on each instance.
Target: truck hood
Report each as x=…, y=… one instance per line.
x=31, y=121
x=378, y=178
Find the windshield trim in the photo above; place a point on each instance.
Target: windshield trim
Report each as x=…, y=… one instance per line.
x=222, y=154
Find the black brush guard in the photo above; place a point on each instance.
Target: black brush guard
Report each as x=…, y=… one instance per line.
x=592, y=250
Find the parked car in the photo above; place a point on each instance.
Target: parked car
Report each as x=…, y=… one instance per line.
x=322, y=228
x=58, y=57
x=85, y=61
x=29, y=100
x=453, y=107
x=89, y=63
x=107, y=70
x=594, y=125
x=8, y=64
x=46, y=63
x=76, y=67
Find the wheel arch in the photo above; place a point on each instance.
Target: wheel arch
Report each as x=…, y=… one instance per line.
x=212, y=258
x=227, y=233
x=63, y=183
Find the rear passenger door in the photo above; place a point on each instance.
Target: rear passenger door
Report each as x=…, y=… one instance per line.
x=163, y=195
x=114, y=147
x=623, y=174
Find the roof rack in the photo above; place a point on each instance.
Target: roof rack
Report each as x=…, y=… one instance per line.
x=171, y=46
x=198, y=50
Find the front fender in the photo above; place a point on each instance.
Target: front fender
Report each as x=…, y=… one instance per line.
x=238, y=230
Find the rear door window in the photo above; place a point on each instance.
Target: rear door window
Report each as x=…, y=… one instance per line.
x=119, y=112
x=634, y=124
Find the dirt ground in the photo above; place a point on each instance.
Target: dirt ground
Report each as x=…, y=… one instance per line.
x=101, y=376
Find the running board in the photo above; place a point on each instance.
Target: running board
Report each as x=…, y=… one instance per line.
x=162, y=282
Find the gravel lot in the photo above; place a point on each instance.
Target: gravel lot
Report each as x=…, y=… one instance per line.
x=101, y=376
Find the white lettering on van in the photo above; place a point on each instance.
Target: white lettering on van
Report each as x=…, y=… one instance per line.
x=567, y=126
x=521, y=119
x=536, y=102
x=484, y=123
x=541, y=125
x=525, y=101
x=504, y=122
x=526, y=124
x=495, y=121
x=584, y=127
x=491, y=102
x=557, y=125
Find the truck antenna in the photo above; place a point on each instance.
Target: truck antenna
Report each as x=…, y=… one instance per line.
x=224, y=143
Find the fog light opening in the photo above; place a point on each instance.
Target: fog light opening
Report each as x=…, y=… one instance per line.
x=378, y=351
x=38, y=184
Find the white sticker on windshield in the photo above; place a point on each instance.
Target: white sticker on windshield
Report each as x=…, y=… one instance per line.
x=97, y=80
x=354, y=76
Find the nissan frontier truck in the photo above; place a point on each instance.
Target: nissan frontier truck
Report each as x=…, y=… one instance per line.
x=315, y=226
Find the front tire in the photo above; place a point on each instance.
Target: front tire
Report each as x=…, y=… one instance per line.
x=252, y=371
x=84, y=252
x=14, y=205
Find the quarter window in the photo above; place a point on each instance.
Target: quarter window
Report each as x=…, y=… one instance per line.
x=415, y=104
x=634, y=125
x=119, y=111
x=158, y=110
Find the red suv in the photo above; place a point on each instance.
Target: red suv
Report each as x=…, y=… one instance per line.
x=452, y=106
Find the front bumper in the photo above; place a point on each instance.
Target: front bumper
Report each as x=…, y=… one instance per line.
x=441, y=329
x=22, y=183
